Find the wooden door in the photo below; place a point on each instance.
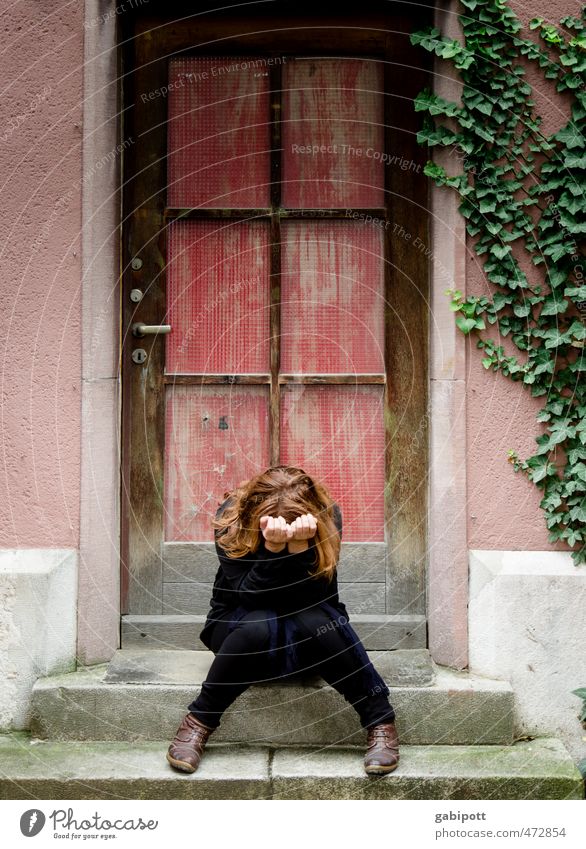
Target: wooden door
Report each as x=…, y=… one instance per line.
x=262, y=211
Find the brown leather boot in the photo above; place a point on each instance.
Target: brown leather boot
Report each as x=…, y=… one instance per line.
x=186, y=750
x=382, y=752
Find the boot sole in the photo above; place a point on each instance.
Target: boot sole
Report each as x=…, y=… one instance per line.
x=377, y=769
x=181, y=765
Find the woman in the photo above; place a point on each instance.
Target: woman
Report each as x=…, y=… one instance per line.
x=275, y=611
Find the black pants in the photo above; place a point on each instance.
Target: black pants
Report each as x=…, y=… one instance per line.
x=241, y=659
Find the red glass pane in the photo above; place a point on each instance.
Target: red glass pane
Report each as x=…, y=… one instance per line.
x=337, y=434
x=218, y=132
x=333, y=133
x=216, y=436
x=332, y=290
x=218, y=297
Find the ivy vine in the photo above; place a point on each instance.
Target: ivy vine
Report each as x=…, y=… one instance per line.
x=522, y=195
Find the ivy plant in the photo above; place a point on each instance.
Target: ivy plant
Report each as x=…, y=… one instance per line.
x=522, y=195
x=581, y=693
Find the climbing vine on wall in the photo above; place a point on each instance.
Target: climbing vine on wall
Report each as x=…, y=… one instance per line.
x=522, y=194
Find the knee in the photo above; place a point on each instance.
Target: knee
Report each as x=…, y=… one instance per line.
x=316, y=623
x=254, y=632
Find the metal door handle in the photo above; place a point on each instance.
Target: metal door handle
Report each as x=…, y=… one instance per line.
x=139, y=329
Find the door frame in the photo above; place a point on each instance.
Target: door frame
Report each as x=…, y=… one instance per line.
x=99, y=623
x=406, y=233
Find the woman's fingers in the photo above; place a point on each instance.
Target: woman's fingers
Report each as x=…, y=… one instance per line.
x=277, y=529
x=304, y=527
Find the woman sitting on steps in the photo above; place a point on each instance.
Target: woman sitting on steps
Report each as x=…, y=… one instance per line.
x=275, y=611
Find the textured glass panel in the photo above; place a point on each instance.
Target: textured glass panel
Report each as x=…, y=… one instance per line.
x=337, y=434
x=218, y=297
x=218, y=132
x=333, y=133
x=216, y=436
x=332, y=289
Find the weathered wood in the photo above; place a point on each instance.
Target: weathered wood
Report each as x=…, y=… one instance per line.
x=204, y=379
x=332, y=378
x=407, y=310
x=199, y=379
x=198, y=561
x=376, y=215
x=299, y=28
x=143, y=403
x=186, y=597
x=376, y=632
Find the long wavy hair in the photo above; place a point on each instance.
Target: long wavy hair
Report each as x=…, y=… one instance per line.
x=285, y=491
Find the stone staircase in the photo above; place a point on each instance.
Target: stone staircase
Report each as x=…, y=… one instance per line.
x=102, y=732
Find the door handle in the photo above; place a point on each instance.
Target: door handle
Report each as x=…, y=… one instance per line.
x=139, y=329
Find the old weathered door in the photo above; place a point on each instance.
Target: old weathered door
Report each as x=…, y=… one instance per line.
x=272, y=313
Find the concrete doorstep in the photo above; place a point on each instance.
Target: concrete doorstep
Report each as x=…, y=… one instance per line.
x=39, y=769
x=98, y=703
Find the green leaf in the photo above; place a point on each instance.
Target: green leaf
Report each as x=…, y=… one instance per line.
x=580, y=692
x=487, y=205
x=466, y=324
x=500, y=251
x=539, y=467
x=578, y=293
x=522, y=310
x=575, y=161
x=570, y=136
x=553, y=306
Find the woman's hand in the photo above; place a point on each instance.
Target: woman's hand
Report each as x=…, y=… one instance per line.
x=303, y=528
x=276, y=532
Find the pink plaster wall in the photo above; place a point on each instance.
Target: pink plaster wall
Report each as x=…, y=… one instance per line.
x=503, y=507
x=40, y=175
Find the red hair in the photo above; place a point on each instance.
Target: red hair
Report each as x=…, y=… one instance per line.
x=285, y=491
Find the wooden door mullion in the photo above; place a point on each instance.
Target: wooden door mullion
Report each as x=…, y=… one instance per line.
x=143, y=408
x=406, y=355
x=374, y=214
x=275, y=264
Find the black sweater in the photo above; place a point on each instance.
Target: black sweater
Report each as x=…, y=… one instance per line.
x=267, y=579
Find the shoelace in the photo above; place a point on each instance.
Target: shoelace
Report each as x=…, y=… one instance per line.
x=197, y=730
x=374, y=733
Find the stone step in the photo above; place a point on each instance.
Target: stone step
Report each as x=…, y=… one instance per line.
x=169, y=631
x=409, y=667
x=100, y=703
x=38, y=769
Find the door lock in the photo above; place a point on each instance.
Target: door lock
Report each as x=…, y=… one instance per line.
x=139, y=355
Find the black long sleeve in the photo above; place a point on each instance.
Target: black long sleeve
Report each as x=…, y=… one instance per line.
x=273, y=579
x=266, y=578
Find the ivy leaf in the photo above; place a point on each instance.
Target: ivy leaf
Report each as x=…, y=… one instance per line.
x=466, y=324
x=555, y=337
x=487, y=205
x=578, y=513
x=571, y=203
x=522, y=310
x=575, y=161
x=436, y=172
x=553, y=306
x=576, y=292
x=555, y=276
x=571, y=137
x=539, y=467
x=500, y=251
